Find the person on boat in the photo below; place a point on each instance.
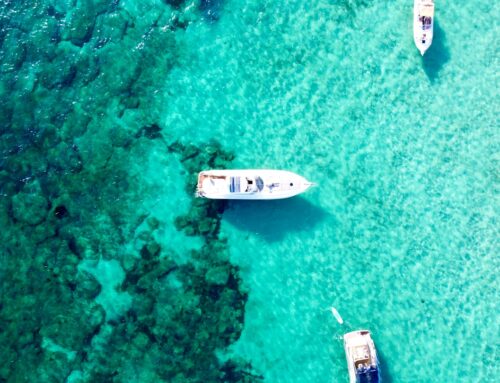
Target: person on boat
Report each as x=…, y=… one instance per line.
x=250, y=186
x=272, y=186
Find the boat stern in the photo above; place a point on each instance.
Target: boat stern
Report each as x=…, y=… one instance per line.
x=199, y=186
x=362, y=361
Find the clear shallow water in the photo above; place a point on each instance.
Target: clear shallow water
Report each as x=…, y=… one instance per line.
x=401, y=233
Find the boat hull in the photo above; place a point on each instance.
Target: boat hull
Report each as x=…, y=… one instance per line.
x=423, y=24
x=273, y=184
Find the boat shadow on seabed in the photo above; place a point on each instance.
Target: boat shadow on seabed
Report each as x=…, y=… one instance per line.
x=437, y=55
x=385, y=376
x=274, y=219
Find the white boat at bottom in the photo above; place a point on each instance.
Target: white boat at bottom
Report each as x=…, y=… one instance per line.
x=250, y=184
x=423, y=24
x=362, y=361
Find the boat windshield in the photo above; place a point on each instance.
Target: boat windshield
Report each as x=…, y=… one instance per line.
x=426, y=20
x=259, y=183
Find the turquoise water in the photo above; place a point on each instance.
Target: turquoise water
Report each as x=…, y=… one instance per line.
x=110, y=272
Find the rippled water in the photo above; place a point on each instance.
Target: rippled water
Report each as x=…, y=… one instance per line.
x=105, y=278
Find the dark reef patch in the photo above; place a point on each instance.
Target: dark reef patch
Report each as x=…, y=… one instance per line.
x=204, y=215
x=60, y=212
x=77, y=110
x=150, y=131
x=195, y=159
x=211, y=9
x=181, y=315
x=211, y=276
x=175, y=3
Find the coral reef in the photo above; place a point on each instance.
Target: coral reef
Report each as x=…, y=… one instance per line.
x=78, y=303
x=204, y=215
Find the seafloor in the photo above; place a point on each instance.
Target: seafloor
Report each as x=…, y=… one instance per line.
x=111, y=271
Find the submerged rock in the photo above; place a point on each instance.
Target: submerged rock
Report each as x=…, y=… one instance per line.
x=61, y=212
x=65, y=157
x=175, y=3
x=56, y=74
x=86, y=285
x=211, y=8
x=111, y=28
x=71, y=329
x=80, y=24
x=218, y=275
x=12, y=51
x=150, y=131
x=110, y=275
x=30, y=206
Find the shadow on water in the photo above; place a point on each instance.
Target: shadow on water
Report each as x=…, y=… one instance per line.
x=384, y=368
x=274, y=219
x=437, y=55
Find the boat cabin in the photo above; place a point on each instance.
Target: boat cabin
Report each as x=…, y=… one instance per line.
x=366, y=369
x=250, y=184
x=362, y=361
x=425, y=15
x=361, y=356
x=245, y=184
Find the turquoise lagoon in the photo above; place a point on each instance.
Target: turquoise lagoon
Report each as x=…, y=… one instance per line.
x=400, y=235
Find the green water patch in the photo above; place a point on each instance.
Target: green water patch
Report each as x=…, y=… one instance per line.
x=181, y=315
x=80, y=304
x=48, y=312
x=217, y=280
x=407, y=169
x=91, y=286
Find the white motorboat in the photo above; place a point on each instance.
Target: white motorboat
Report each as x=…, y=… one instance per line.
x=257, y=184
x=362, y=361
x=423, y=24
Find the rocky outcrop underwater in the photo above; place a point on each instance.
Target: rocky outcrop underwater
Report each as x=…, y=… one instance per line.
x=89, y=292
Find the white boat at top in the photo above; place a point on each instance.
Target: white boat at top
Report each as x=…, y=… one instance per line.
x=257, y=184
x=423, y=24
x=362, y=361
